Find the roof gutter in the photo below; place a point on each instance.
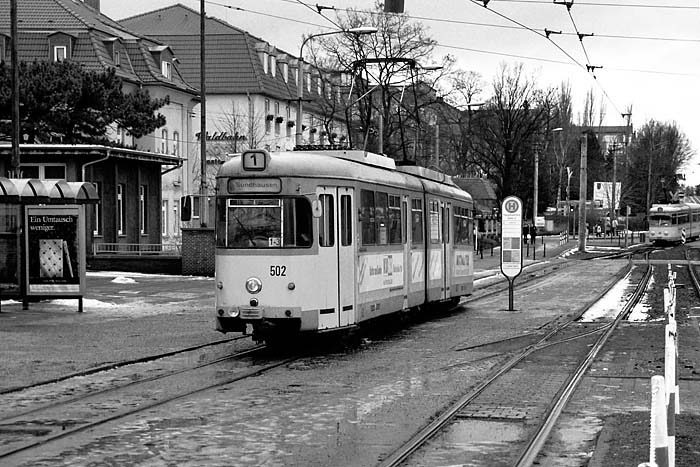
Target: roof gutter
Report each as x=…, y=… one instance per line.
x=82, y=169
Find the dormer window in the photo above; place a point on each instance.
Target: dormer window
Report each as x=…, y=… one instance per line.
x=318, y=85
x=117, y=58
x=60, y=52
x=167, y=69
x=273, y=65
x=285, y=72
x=60, y=45
x=265, y=61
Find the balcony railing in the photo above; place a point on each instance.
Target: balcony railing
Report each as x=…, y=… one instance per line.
x=136, y=249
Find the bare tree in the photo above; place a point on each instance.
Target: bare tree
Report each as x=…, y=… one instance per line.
x=510, y=130
x=388, y=63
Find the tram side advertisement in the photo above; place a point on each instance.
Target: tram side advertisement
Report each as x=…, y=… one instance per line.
x=511, y=237
x=55, y=255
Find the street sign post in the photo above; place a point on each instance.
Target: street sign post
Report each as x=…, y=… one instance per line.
x=511, y=242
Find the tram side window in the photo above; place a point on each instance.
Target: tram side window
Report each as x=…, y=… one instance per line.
x=434, y=221
x=395, y=223
x=381, y=214
x=681, y=219
x=462, y=226
x=345, y=220
x=416, y=221
x=367, y=219
x=326, y=233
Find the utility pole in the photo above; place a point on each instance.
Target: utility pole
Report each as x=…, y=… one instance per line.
x=15, y=162
x=203, y=202
x=582, y=194
x=534, y=190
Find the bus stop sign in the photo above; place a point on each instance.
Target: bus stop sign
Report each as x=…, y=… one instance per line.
x=511, y=237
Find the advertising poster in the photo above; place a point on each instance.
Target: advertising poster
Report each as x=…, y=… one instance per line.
x=55, y=256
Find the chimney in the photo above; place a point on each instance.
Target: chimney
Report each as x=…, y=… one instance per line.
x=94, y=4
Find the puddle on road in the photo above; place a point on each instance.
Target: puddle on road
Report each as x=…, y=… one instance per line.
x=472, y=443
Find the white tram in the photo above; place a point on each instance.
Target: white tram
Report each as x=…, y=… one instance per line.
x=312, y=241
x=668, y=222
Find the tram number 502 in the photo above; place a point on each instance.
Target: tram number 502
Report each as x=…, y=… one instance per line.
x=276, y=270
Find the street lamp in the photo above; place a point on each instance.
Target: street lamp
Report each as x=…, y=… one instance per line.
x=300, y=79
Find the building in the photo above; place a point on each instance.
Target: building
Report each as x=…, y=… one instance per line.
x=55, y=30
x=251, y=90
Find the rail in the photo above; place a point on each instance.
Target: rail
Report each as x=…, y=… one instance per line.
x=136, y=249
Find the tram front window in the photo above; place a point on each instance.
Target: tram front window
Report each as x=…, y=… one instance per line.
x=656, y=220
x=264, y=223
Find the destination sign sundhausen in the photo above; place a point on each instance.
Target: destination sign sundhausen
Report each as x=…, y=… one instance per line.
x=511, y=237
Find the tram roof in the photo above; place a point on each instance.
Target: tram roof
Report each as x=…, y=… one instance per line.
x=347, y=164
x=670, y=208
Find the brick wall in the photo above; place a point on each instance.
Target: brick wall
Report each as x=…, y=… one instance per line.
x=198, y=252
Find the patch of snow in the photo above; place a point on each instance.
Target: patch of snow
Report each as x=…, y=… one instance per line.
x=123, y=280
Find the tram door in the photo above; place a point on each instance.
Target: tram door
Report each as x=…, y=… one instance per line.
x=447, y=249
x=336, y=256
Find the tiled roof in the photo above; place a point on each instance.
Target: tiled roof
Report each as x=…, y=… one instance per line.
x=482, y=190
x=232, y=62
x=38, y=19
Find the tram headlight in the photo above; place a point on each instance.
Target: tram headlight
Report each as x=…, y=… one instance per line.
x=253, y=285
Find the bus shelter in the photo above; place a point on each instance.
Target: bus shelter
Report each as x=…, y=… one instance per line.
x=42, y=238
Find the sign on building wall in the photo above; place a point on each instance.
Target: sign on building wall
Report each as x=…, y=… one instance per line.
x=55, y=251
x=602, y=194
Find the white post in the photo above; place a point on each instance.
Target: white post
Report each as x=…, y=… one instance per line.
x=658, y=445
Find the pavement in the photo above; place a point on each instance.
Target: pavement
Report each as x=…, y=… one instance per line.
x=129, y=316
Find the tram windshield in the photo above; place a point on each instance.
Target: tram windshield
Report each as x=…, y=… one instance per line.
x=264, y=223
x=659, y=220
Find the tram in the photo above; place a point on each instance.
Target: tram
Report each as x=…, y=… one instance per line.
x=318, y=241
x=671, y=223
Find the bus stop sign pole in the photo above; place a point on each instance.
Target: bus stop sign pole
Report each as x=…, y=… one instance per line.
x=511, y=242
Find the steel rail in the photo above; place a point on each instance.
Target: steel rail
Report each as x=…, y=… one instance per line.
x=78, y=429
x=102, y=392
x=437, y=424
x=537, y=442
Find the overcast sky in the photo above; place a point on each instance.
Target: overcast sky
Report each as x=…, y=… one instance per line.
x=649, y=50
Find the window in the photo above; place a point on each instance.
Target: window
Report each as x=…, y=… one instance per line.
x=273, y=65
x=164, y=218
x=176, y=217
x=434, y=221
x=44, y=171
x=264, y=58
x=121, y=208
x=326, y=223
x=381, y=214
x=164, y=141
x=285, y=72
x=176, y=143
x=268, y=121
x=277, y=115
x=261, y=223
x=345, y=220
x=289, y=119
x=446, y=225
x=97, y=221
x=462, y=226
x=117, y=58
x=395, y=223
x=367, y=219
x=143, y=209
x=60, y=52
x=166, y=68
x=308, y=82
x=416, y=221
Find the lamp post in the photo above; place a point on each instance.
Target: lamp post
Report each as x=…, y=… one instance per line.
x=300, y=78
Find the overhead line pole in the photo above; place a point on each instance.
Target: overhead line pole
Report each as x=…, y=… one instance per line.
x=15, y=162
x=582, y=193
x=203, y=202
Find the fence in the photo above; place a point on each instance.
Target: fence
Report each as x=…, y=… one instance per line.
x=664, y=390
x=136, y=249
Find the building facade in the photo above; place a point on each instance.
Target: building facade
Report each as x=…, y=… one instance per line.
x=75, y=30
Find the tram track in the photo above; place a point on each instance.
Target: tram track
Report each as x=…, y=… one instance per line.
x=71, y=417
x=537, y=436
